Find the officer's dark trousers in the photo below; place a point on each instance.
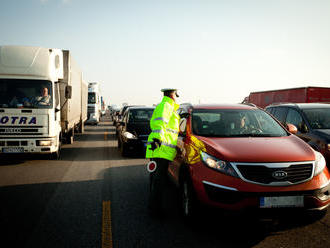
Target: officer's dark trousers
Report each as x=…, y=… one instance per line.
x=158, y=180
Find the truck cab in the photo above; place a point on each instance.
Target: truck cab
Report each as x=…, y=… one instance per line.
x=94, y=104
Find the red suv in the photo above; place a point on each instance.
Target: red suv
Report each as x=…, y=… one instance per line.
x=238, y=157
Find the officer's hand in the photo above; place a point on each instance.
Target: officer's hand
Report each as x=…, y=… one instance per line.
x=157, y=141
x=155, y=144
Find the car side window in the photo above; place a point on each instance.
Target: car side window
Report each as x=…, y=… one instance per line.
x=294, y=118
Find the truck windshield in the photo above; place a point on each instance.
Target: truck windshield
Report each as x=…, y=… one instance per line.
x=235, y=123
x=91, y=97
x=23, y=93
x=318, y=118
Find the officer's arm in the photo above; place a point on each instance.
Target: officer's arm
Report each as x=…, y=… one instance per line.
x=159, y=121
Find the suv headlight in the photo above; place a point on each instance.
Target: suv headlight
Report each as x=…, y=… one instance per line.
x=219, y=165
x=319, y=163
x=129, y=135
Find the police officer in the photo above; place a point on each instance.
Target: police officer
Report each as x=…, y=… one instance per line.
x=162, y=144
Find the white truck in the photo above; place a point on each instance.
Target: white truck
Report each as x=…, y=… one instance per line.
x=43, y=100
x=94, y=103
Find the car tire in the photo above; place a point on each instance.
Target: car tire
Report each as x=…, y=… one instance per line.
x=313, y=216
x=123, y=150
x=187, y=199
x=119, y=143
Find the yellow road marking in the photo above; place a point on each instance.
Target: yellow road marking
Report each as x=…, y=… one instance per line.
x=105, y=135
x=106, y=225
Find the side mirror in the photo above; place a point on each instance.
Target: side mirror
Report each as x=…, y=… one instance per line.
x=182, y=126
x=291, y=128
x=68, y=92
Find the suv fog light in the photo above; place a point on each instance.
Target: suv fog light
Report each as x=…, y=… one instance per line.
x=44, y=142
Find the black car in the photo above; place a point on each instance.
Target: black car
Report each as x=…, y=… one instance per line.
x=312, y=121
x=135, y=129
x=120, y=116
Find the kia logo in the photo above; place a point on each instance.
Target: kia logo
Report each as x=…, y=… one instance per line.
x=279, y=174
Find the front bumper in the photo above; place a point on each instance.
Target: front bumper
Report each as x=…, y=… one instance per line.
x=216, y=189
x=43, y=145
x=228, y=198
x=139, y=144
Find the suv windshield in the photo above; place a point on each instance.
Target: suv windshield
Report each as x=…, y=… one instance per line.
x=140, y=115
x=318, y=118
x=235, y=123
x=23, y=93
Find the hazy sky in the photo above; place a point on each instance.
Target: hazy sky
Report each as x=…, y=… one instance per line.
x=212, y=50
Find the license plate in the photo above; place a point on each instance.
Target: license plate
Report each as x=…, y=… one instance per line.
x=13, y=150
x=281, y=201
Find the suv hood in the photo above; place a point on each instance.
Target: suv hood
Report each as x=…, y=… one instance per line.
x=259, y=149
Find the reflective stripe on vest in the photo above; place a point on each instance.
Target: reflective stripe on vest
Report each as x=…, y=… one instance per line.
x=172, y=131
x=164, y=144
x=161, y=119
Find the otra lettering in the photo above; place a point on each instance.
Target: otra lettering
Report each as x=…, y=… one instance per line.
x=18, y=120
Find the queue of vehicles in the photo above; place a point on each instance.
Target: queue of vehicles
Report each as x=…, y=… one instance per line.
x=44, y=100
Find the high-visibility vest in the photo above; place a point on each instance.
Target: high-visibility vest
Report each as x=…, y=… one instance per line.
x=164, y=125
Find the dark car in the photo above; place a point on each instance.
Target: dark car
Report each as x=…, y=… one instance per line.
x=134, y=131
x=312, y=121
x=120, y=116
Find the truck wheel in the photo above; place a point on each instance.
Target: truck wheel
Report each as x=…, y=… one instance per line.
x=81, y=127
x=69, y=137
x=187, y=198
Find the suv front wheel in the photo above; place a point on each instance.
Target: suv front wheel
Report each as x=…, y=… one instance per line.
x=188, y=199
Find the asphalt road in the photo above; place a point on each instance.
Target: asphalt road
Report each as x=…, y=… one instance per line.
x=93, y=197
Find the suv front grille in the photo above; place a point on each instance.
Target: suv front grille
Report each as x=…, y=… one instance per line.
x=289, y=173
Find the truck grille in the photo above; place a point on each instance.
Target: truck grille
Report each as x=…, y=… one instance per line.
x=294, y=173
x=21, y=130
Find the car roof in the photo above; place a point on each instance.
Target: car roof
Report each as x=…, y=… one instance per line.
x=224, y=106
x=301, y=105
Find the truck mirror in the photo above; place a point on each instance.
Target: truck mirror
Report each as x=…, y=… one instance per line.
x=68, y=92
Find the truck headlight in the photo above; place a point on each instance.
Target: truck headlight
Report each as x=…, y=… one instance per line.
x=129, y=135
x=44, y=142
x=328, y=147
x=217, y=164
x=319, y=163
